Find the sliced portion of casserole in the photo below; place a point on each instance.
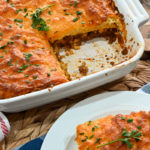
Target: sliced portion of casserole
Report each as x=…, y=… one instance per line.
x=120, y=132
x=27, y=63
x=74, y=17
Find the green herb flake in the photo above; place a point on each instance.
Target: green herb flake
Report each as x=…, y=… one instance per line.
x=1, y=56
x=93, y=129
x=97, y=140
x=10, y=62
x=0, y=39
x=26, y=15
x=18, y=20
x=25, y=42
x=53, y=69
x=25, y=9
x=7, y=1
x=11, y=38
x=82, y=133
x=66, y=13
x=75, y=4
x=130, y=120
x=27, y=56
x=123, y=118
x=91, y=136
x=26, y=75
x=139, y=127
x=48, y=74
x=50, y=12
x=89, y=123
x=35, y=77
x=1, y=33
x=75, y=19
x=12, y=5
x=83, y=22
x=36, y=65
x=78, y=12
x=18, y=35
x=10, y=26
x=27, y=81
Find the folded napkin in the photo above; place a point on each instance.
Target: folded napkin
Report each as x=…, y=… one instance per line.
x=37, y=143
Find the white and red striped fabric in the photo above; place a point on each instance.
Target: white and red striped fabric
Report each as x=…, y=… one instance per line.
x=4, y=126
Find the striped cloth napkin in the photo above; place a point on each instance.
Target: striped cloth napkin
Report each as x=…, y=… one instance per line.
x=37, y=143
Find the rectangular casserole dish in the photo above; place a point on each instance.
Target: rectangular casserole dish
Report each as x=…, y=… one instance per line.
x=135, y=15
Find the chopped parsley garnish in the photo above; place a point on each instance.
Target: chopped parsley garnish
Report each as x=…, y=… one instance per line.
x=66, y=13
x=25, y=10
x=82, y=133
x=36, y=65
x=10, y=62
x=26, y=15
x=18, y=35
x=50, y=13
x=27, y=81
x=91, y=136
x=126, y=138
x=123, y=118
x=89, y=123
x=75, y=4
x=93, y=129
x=10, y=26
x=139, y=127
x=7, y=1
x=18, y=20
x=97, y=140
x=1, y=56
x=4, y=46
x=18, y=10
x=12, y=5
x=129, y=120
x=21, y=26
x=26, y=75
x=1, y=33
x=38, y=22
x=11, y=38
x=25, y=41
x=75, y=19
x=22, y=68
x=0, y=38
x=34, y=77
x=53, y=70
x=78, y=12
x=27, y=56
x=48, y=74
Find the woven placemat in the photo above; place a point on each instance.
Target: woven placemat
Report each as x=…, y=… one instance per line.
x=33, y=123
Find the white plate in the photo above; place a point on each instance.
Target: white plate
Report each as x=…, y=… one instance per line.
x=62, y=134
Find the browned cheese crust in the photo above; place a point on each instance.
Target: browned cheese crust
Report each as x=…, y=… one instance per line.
x=27, y=62
x=110, y=128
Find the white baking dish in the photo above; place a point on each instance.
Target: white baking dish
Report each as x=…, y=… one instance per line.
x=135, y=15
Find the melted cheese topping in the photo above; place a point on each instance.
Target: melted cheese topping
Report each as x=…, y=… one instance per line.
x=27, y=62
x=110, y=128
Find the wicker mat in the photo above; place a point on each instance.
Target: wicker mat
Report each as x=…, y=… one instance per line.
x=33, y=123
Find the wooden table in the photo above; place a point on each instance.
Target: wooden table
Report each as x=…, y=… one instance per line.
x=33, y=123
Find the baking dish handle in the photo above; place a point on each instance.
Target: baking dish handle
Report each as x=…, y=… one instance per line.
x=138, y=12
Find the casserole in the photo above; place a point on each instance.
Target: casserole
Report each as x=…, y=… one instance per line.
x=135, y=16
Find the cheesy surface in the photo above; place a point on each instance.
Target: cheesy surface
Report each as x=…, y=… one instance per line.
x=92, y=134
x=27, y=62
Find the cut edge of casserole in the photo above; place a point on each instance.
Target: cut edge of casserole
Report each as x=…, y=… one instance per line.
x=25, y=39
